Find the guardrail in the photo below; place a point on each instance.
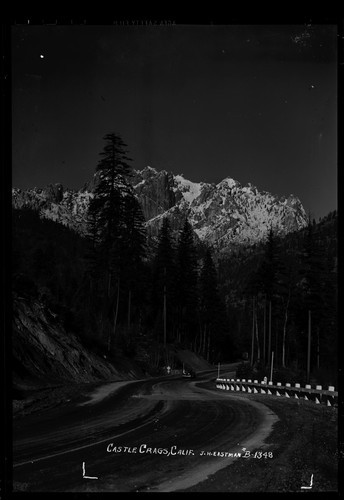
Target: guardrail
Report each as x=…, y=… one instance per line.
x=318, y=395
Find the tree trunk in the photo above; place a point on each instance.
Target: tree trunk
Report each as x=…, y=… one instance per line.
x=200, y=340
x=285, y=330
x=318, y=348
x=157, y=357
x=208, y=348
x=180, y=314
x=109, y=285
x=309, y=346
x=204, y=347
x=101, y=322
x=164, y=313
x=129, y=310
x=264, y=334
x=276, y=340
x=257, y=338
x=115, y=318
x=252, y=337
x=199, y=335
x=269, y=346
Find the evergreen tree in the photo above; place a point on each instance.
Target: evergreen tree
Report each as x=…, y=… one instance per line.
x=187, y=283
x=109, y=216
x=269, y=267
x=262, y=290
x=164, y=281
x=314, y=285
x=106, y=210
x=312, y=270
x=286, y=283
x=134, y=243
x=209, y=304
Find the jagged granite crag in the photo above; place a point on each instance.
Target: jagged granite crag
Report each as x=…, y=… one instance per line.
x=61, y=205
x=223, y=214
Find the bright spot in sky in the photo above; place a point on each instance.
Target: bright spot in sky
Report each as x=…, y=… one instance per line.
x=41, y=56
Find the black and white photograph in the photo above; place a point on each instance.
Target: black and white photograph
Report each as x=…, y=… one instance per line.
x=174, y=254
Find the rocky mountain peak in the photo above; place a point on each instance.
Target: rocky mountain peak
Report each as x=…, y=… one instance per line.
x=226, y=214
x=228, y=182
x=223, y=214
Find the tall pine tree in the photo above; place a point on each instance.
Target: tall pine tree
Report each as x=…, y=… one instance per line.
x=106, y=209
x=210, y=309
x=164, y=281
x=113, y=218
x=134, y=243
x=187, y=286
x=312, y=281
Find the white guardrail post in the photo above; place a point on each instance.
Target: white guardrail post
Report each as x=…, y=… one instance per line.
x=317, y=395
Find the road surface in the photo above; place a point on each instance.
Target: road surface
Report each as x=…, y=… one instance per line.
x=163, y=434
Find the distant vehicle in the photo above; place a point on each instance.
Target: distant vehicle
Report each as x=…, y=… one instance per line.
x=189, y=374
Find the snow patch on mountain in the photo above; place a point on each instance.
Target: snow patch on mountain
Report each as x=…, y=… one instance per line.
x=190, y=190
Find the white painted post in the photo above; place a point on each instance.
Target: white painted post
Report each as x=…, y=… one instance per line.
x=309, y=346
x=287, y=385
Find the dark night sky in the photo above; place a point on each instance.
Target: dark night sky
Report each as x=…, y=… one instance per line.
x=255, y=103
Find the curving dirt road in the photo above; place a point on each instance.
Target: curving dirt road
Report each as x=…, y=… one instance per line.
x=162, y=434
